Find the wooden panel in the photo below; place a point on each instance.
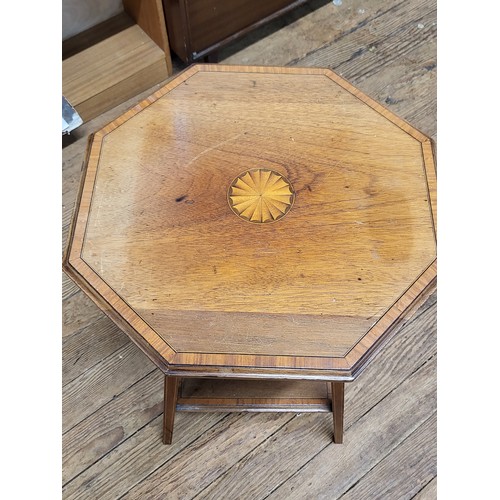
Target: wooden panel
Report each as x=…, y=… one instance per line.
x=79, y=313
x=146, y=78
x=198, y=27
x=177, y=28
x=326, y=335
x=69, y=287
x=253, y=395
x=210, y=21
x=235, y=437
x=111, y=71
x=325, y=26
x=89, y=346
x=148, y=14
x=275, y=460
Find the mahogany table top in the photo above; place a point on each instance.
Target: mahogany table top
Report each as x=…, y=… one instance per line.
x=257, y=222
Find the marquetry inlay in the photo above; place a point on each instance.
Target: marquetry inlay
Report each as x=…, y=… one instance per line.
x=261, y=195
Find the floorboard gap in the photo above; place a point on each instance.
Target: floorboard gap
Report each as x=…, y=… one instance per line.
x=173, y=456
x=424, y=486
x=109, y=401
x=246, y=455
x=110, y=450
x=350, y=425
x=385, y=456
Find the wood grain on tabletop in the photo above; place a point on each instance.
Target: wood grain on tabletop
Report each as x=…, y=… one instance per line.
x=101, y=460
x=357, y=246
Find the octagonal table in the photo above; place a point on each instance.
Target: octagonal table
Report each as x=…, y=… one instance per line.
x=267, y=227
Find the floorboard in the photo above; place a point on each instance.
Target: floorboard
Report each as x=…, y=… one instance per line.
x=394, y=477
x=112, y=424
x=143, y=453
x=306, y=435
x=78, y=313
x=233, y=438
x=89, y=346
x=112, y=393
x=428, y=492
x=102, y=382
x=366, y=442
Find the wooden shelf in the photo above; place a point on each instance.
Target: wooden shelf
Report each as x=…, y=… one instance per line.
x=112, y=62
x=254, y=395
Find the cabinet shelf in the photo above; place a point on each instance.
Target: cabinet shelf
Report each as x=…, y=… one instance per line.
x=112, y=62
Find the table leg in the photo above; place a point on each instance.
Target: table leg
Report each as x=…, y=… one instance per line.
x=338, y=411
x=171, y=388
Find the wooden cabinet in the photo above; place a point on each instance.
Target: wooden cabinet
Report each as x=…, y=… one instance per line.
x=116, y=59
x=198, y=28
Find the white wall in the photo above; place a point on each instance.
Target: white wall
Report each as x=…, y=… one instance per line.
x=78, y=15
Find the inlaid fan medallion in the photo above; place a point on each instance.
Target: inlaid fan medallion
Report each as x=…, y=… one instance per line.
x=261, y=195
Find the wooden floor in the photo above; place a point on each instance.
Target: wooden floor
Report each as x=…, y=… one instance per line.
x=112, y=394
